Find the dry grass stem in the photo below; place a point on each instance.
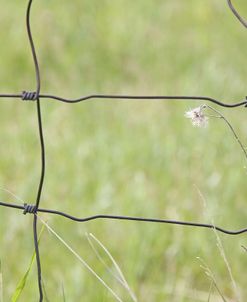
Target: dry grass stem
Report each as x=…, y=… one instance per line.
x=121, y=279
x=83, y=262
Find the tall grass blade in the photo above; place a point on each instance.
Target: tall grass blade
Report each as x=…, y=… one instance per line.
x=121, y=279
x=212, y=278
x=80, y=259
x=22, y=283
x=210, y=291
x=222, y=252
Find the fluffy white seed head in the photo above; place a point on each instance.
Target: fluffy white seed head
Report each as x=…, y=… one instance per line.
x=197, y=117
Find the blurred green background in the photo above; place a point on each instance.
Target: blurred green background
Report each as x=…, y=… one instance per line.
x=125, y=157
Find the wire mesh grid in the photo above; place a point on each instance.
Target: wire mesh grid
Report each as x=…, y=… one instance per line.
x=37, y=96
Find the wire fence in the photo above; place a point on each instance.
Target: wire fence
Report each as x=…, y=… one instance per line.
x=37, y=96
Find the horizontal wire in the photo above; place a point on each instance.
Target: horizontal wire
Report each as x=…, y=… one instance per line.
x=129, y=218
x=131, y=97
x=10, y=95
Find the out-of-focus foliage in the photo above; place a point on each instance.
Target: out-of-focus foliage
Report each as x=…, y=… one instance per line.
x=125, y=157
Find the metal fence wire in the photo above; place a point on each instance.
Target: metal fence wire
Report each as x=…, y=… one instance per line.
x=37, y=96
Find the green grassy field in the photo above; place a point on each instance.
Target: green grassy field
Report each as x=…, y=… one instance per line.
x=125, y=157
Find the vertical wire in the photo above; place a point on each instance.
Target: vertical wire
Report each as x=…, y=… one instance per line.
x=30, y=38
x=36, y=245
x=42, y=146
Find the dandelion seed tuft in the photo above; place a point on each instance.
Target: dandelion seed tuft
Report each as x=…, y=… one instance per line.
x=197, y=116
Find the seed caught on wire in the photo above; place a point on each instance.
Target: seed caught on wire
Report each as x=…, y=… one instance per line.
x=197, y=116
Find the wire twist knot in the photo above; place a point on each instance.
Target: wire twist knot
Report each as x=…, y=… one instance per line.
x=28, y=208
x=29, y=96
